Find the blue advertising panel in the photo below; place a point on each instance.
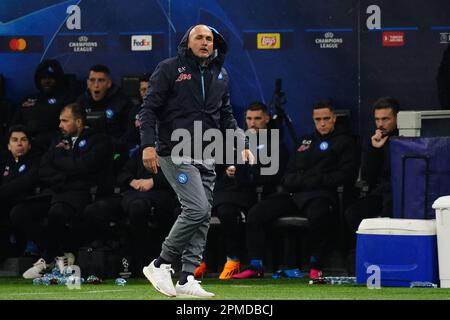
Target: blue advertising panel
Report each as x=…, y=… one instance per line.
x=349, y=51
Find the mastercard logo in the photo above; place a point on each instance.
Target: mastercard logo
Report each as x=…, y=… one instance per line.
x=17, y=44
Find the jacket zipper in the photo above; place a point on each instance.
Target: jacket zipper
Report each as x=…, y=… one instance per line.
x=202, y=70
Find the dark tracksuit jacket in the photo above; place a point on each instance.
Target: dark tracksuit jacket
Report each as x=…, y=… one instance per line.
x=180, y=93
x=376, y=171
x=116, y=108
x=161, y=194
x=40, y=112
x=320, y=165
x=17, y=183
x=18, y=179
x=241, y=190
x=70, y=173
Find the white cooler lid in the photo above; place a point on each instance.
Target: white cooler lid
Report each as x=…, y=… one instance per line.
x=397, y=227
x=442, y=203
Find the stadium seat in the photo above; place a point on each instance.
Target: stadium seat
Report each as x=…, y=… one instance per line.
x=15, y=266
x=129, y=85
x=289, y=245
x=291, y=234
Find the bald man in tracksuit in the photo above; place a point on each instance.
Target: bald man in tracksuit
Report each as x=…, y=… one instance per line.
x=193, y=86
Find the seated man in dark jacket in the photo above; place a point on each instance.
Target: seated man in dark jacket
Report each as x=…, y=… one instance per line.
x=376, y=168
x=105, y=102
x=18, y=180
x=147, y=198
x=325, y=160
x=132, y=136
x=40, y=111
x=73, y=164
x=240, y=186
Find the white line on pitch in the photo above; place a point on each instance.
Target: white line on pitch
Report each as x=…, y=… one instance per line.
x=71, y=291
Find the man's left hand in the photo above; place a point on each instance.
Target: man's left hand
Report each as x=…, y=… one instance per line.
x=146, y=185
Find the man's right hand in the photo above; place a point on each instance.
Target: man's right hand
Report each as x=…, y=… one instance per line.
x=378, y=140
x=134, y=184
x=150, y=159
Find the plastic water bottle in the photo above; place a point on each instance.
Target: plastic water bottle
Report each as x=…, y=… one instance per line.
x=120, y=282
x=93, y=280
x=56, y=272
x=318, y=281
x=341, y=280
x=45, y=281
x=422, y=284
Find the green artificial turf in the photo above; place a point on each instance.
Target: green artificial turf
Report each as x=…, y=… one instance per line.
x=252, y=289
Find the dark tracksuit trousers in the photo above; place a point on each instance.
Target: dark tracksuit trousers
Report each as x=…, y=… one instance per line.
x=63, y=216
x=97, y=217
x=230, y=216
x=27, y=220
x=370, y=206
x=142, y=209
x=59, y=234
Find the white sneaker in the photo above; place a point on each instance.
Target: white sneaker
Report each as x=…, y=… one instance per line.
x=160, y=278
x=62, y=262
x=70, y=258
x=192, y=288
x=36, y=270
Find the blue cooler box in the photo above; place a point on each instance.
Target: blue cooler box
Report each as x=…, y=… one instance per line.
x=404, y=249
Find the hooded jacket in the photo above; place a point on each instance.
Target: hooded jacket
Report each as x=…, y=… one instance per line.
x=40, y=112
x=51, y=68
x=176, y=100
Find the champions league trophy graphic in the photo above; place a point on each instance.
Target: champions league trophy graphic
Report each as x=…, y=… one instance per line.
x=125, y=274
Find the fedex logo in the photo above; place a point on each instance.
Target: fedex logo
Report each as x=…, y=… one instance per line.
x=141, y=43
